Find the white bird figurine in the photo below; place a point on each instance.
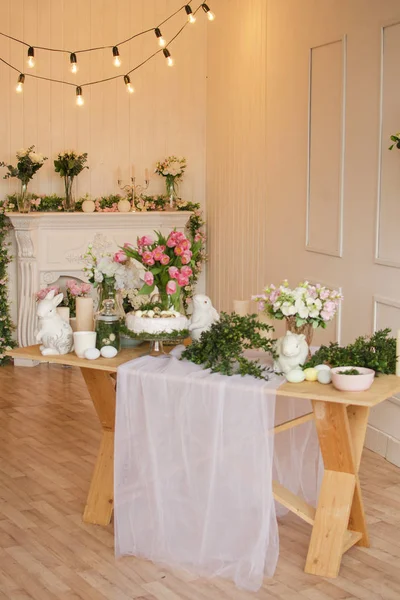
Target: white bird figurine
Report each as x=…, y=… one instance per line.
x=204, y=315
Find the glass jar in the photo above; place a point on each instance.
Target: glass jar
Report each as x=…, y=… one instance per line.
x=107, y=326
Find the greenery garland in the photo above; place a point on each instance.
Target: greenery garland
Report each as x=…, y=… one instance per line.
x=6, y=325
x=177, y=336
x=221, y=348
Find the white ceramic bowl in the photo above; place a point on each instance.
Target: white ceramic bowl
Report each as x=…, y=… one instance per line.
x=352, y=383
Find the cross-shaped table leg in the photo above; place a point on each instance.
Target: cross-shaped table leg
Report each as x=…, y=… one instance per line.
x=339, y=519
x=99, y=503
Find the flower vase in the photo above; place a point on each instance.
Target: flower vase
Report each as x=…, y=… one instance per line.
x=69, y=201
x=306, y=329
x=172, y=192
x=23, y=199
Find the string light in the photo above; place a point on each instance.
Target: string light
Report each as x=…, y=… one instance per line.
x=117, y=60
x=20, y=84
x=31, y=57
x=74, y=62
x=208, y=11
x=189, y=12
x=167, y=54
x=129, y=87
x=79, y=97
x=161, y=41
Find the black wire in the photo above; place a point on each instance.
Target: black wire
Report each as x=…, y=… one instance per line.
x=8, y=65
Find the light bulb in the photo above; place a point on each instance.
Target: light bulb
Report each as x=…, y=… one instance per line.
x=31, y=57
x=209, y=13
x=74, y=64
x=117, y=60
x=167, y=54
x=129, y=86
x=79, y=98
x=189, y=12
x=20, y=84
x=161, y=42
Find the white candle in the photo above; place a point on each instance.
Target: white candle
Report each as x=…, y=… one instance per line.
x=84, y=314
x=241, y=307
x=63, y=311
x=398, y=354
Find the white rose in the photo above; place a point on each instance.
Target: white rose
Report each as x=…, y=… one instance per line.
x=21, y=153
x=98, y=277
x=35, y=158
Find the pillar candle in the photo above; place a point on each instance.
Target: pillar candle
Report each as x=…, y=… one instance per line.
x=241, y=307
x=63, y=311
x=84, y=314
x=398, y=354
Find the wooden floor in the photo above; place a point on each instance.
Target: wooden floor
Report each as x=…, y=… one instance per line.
x=49, y=436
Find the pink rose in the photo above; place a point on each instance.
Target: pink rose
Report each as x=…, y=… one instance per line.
x=164, y=260
x=85, y=288
x=173, y=272
x=182, y=280
x=171, y=287
x=146, y=240
x=186, y=257
x=186, y=271
x=120, y=257
x=149, y=278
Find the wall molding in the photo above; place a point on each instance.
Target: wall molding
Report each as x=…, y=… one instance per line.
x=339, y=252
x=379, y=259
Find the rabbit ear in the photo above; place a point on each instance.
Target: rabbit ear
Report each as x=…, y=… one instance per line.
x=50, y=295
x=58, y=299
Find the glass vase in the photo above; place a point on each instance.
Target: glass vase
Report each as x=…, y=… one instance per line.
x=306, y=329
x=171, y=186
x=106, y=289
x=69, y=200
x=23, y=199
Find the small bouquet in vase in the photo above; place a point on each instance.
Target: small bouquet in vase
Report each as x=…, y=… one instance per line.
x=172, y=168
x=75, y=289
x=29, y=163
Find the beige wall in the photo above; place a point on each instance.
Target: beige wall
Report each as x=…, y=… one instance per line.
x=165, y=116
x=259, y=179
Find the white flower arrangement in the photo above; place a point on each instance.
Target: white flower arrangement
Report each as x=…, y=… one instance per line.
x=172, y=166
x=102, y=268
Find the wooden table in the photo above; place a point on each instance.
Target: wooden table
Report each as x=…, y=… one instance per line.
x=341, y=421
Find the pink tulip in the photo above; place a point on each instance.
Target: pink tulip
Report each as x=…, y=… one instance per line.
x=120, y=257
x=179, y=250
x=173, y=272
x=171, y=287
x=186, y=271
x=146, y=240
x=158, y=252
x=164, y=260
x=182, y=280
x=186, y=257
x=149, y=278
x=185, y=244
x=129, y=246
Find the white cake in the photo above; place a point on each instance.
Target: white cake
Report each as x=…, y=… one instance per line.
x=156, y=323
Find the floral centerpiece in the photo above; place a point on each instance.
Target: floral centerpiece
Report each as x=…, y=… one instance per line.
x=172, y=168
x=69, y=164
x=112, y=277
x=168, y=262
x=304, y=308
x=75, y=289
x=29, y=162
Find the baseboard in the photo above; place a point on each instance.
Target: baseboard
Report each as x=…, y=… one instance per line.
x=380, y=442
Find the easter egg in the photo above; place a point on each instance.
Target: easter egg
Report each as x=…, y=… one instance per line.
x=108, y=352
x=322, y=368
x=311, y=374
x=124, y=206
x=295, y=376
x=92, y=353
x=324, y=376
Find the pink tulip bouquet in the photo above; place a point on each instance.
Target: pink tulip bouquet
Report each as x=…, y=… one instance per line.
x=315, y=305
x=168, y=261
x=74, y=290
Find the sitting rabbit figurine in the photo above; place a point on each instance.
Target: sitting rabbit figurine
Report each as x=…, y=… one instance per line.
x=54, y=333
x=292, y=350
x=204, y=315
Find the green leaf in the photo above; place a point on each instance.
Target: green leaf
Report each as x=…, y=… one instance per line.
x=146, y=290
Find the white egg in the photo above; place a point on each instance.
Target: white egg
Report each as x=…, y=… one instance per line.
x=322, y=368
x=92, y=353
x=138, y=313
x=108, y=352
x=295, y=376
x=324, y=376
x=150, y=313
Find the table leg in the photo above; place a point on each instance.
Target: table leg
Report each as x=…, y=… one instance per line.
x=99, y=503
x=341, y=433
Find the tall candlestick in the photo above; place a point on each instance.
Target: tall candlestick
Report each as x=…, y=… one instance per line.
x=241, y=307
x=398, y=354
x=84, y=314
x=63, y=311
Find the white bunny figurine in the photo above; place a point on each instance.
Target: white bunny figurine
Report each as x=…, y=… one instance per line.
x=54, y=333
x=204, y=315
x=292, y=350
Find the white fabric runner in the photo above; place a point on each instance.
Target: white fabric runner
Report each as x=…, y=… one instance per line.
x=193, y=469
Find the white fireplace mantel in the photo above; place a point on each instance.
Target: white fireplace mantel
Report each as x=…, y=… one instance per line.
x=49, y=246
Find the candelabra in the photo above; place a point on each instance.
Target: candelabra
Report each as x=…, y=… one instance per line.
x=134, y=190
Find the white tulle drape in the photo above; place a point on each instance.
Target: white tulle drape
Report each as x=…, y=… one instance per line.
x=193, y=469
